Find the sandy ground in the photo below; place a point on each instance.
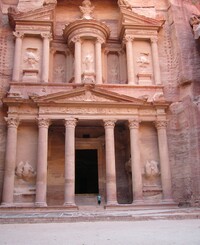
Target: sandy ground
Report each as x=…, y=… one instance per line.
x=159, y=232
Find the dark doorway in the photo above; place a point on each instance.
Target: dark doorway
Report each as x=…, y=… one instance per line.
x=86, y=172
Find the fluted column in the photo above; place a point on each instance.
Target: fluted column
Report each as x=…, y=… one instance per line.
x=41, y=180
x=70, y=125
x=130, y=64
x=164, y=161
x=98, y=61
x=135, y=161
x=78, y=60
x=155, y=57
x=45, y=57
x=111, y=189
x=17, y=56
x=10, y=161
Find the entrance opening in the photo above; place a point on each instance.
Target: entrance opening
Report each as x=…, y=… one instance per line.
x=86, y=172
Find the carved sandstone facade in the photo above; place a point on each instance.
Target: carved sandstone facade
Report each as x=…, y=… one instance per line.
x=90, y=104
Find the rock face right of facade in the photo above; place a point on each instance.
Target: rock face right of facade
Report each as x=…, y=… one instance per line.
x=99, y=97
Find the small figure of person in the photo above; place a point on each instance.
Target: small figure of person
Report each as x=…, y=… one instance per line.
x=99, y=199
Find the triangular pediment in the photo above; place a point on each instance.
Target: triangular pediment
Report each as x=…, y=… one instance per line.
x=130, y=18
x=87, y=95
x=46, y=13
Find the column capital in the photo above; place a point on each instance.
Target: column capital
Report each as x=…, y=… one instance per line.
x=70, y=123
x=134, y=124
x=77, y=39
x=109, y=123
x=12, y=122
x=128, y=38
x=43, y=122
x=18, y=34
x=46, y=35
x=154, y=39
x=161, y=124
x=100, y=40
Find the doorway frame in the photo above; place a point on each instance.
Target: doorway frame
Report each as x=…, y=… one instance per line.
x=99, y=145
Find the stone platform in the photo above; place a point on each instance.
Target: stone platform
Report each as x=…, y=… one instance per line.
x=93, y=213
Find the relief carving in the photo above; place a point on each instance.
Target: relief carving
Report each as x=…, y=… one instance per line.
x=87, y=10
x=31, y=58
x=151, y=169
x=88, y=63
x=25, y=171
x=59, y=73
x=143, y=61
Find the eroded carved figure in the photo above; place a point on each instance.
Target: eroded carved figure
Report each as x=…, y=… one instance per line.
x=88, y=62
x=151, y=169
x=25, y=171
x=195, y=23
x=31, y=58
x=87, y=9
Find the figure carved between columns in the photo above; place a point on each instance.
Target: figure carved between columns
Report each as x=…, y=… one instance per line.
x=25, y=171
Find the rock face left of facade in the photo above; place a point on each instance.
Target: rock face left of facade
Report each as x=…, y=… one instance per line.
x=6, y=66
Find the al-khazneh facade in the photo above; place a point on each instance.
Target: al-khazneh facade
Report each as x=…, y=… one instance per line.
x=100, y=97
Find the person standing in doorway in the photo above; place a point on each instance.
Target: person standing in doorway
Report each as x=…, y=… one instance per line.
x=99, y=199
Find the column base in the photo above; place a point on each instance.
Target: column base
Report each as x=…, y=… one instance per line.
x=70, y=205
x=168, y=201
x=138, y=202
x=40, y=204
x=112, y=203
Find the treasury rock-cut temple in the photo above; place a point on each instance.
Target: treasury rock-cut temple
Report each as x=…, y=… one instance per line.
x=99, y=97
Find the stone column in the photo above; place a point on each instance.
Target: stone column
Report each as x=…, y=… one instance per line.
x=135, y=162
x=45, y=57
x=17, y=56
x=51, y=64
x=106, y=52
x=98, y=61
x=130, y=64
x=41, y=180
x=155, y=57
x=10, y=162
x=111, y=189
x=164, y=161
x=78, y=60
x=70, y=125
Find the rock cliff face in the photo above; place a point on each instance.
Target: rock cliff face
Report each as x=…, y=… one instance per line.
x=179, y=55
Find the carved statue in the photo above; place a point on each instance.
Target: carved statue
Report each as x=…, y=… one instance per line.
x=87, y=9
x=88, y=63
x=125, y=4
x=25, y=171
x=151, y=169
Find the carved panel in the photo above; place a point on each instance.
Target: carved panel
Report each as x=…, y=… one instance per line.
x=113, y=68
x=59, y=68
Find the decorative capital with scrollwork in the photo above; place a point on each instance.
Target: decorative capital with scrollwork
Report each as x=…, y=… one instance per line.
x=161, y=124
x=70, y=123
x=18, y=34
x=46, y=35
x=77, y=39
x=43, y=122
x=12, y=122
x=154, y=39
x=134, y=124
x=109, y=123
x=128, y=38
